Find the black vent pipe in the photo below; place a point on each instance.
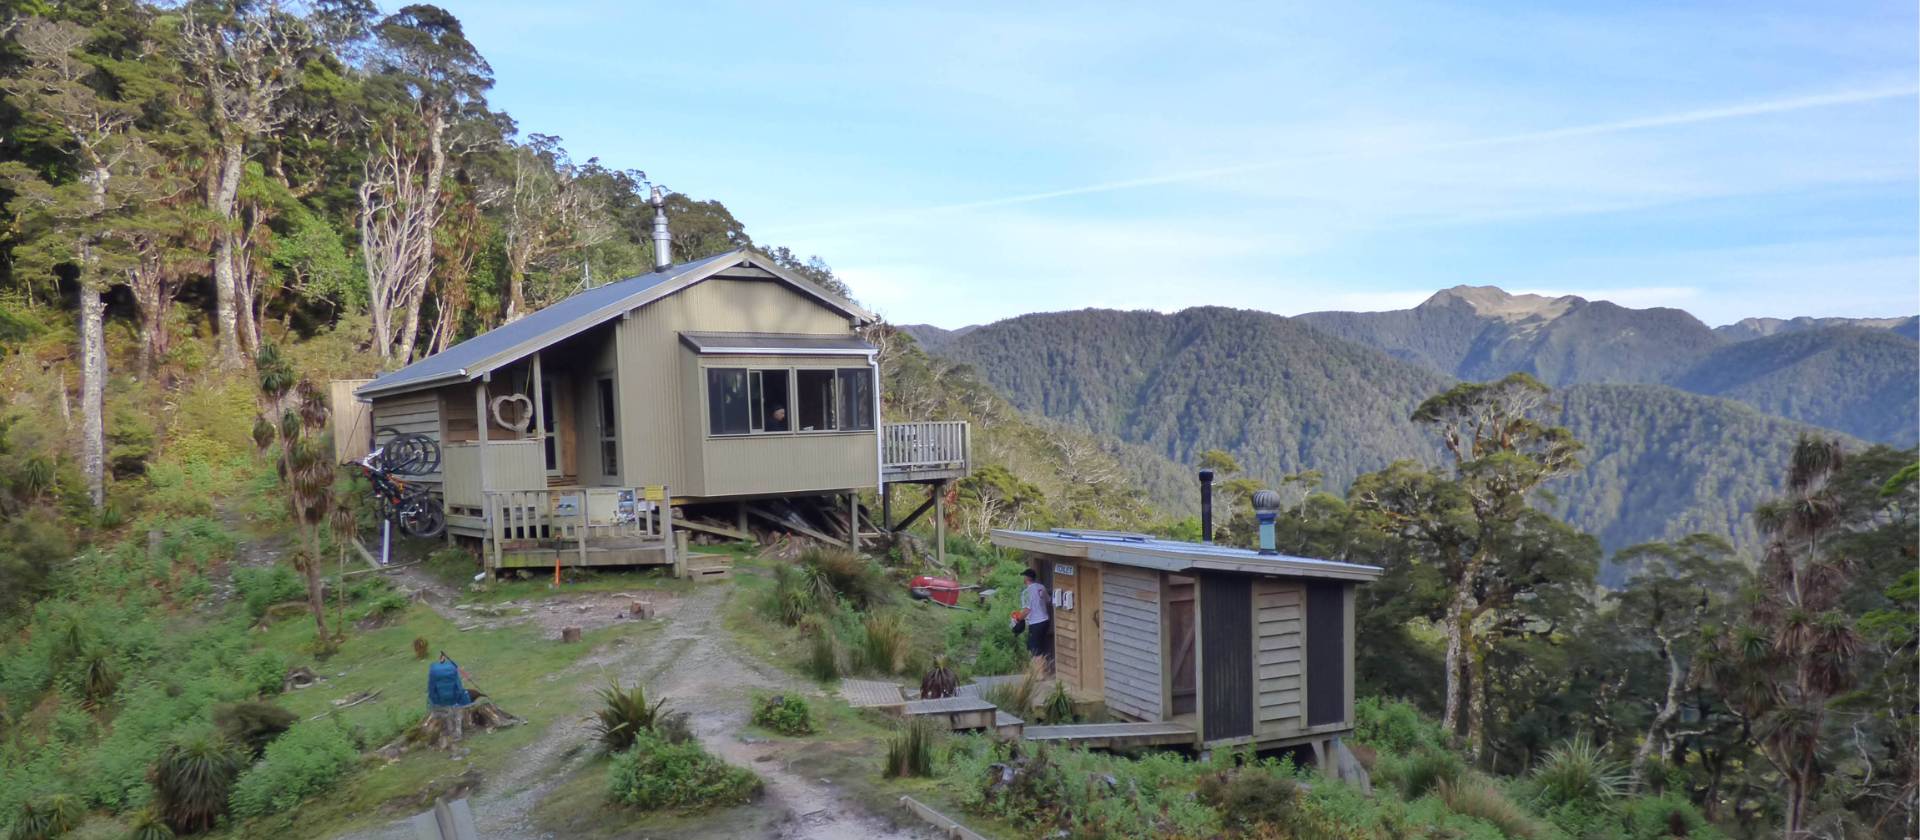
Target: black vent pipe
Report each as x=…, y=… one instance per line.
x=1206, y=506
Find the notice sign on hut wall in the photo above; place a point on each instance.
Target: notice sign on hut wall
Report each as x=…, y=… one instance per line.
x=1063, y=569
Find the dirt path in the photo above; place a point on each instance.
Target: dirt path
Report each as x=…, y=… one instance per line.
x=691, y=658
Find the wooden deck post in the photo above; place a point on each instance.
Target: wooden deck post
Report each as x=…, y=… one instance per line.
x=539, y=415
x=853, y=520
x=940, y=523
x=886, y=506
x=480, y=425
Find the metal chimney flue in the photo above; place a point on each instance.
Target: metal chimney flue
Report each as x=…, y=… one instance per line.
x=1266, y=508
x=662, y=239
x=1206, y=506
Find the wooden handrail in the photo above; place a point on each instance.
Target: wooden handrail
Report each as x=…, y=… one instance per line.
x=926, y=443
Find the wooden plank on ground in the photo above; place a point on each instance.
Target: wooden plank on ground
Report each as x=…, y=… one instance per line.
x=785, y=523
x=716, y=530
x=872, y=694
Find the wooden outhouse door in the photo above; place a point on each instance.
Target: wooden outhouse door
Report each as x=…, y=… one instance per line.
x=1130, y=635
x=1226, y=656
x=1066, y=622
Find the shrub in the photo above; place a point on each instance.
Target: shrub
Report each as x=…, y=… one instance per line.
x=1058, y=707
x=1252, y=798
x=624, y=716
x=886, y=643
x=910, y=750
x=656, y=775
x=252, y=726
x=1395, y=726
x=261, y=587
x=192, y=779
x=44, y=819
x=306, y=760
x=1016, y=696
x=1478, y=798
x=794, y=595
x=823, y=651
x=148, y=825
x=1425, y=770
x=1578, y=772
x=1658, y=817
x=939, y=681
x=786, y=714
x=265, y=672
x=848, y=575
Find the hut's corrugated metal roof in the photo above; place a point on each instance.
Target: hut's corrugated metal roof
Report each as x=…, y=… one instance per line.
x=1175, y=556
x=746, y=342
x=509, y=342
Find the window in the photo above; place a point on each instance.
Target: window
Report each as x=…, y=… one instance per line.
x=856, y=399
x=742, y=401
x=728, y=410
x=816, y=401
x=772, y=410
x=609, y=429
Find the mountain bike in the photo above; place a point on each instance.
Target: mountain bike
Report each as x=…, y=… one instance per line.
x=408, y=505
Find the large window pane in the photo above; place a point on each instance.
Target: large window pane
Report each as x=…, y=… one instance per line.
x=856, y=399
x=816, y=400
x=727, y=409
x=776, y=408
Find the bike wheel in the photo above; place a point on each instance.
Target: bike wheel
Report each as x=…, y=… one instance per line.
x=424, y=518
x=412, y=454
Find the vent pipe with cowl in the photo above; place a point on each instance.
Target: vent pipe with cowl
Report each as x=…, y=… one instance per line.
x=1206, y=506
x=1266, y=508
x=662, y=240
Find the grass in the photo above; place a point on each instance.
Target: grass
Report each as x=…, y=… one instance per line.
x=510, y=665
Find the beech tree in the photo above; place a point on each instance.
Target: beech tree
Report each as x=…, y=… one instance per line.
x=244, y=56
x=80, y=219
x=1500, y=454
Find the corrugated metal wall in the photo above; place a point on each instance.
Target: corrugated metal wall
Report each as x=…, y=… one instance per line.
x=1326, y=652
x=1277, y=607
x=658, y=427
x=790, y=463
x=1226, y=656
x=1131, y=641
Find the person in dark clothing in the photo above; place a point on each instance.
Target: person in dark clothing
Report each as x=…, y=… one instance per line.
x=777, y=419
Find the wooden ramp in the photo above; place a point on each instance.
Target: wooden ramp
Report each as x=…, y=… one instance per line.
x=873, y=694
x=956, y=712
x=1109, y=735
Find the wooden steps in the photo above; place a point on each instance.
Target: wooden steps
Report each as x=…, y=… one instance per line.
x=873, y=694
x=956, y=713
x=1006, y=725
x=1109, y=735
x=706, y=567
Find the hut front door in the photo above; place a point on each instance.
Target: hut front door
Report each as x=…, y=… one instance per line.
x=1226, y=656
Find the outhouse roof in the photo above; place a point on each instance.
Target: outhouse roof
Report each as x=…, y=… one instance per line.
x=1175, y=556
x=513, y=341
x=784, y=344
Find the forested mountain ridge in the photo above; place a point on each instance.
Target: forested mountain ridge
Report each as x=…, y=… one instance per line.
x=1747, y=329
x=1856, y=377
x=1284, y=397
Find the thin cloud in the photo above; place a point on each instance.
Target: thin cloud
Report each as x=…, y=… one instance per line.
x=1693, y=117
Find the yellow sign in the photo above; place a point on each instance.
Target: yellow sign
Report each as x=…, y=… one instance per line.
x=655, y=493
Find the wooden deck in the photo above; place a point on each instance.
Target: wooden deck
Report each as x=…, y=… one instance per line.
x=956, y=712
x=872, y=694
x=1110, y=735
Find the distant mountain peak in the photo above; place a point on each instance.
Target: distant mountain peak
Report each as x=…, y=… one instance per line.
x=1495, y=302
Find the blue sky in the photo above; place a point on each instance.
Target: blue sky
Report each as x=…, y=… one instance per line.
x=960, y=163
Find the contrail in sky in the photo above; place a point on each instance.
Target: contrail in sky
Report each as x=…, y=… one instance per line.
x=1704, y=115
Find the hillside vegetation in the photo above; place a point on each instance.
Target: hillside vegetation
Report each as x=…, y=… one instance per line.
x=1854, y=375
x=1285, y=398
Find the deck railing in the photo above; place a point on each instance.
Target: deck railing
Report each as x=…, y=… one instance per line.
x=925, y=445
x=567, y=514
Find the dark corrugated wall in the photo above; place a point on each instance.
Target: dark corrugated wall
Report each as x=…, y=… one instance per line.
x=1326, y=653
x=1226, y=656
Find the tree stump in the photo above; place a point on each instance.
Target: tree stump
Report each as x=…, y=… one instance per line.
x=640, y=609
x=569, y=634
x=479, y=716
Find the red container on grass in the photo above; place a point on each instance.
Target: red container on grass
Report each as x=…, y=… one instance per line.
x=944, y=590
